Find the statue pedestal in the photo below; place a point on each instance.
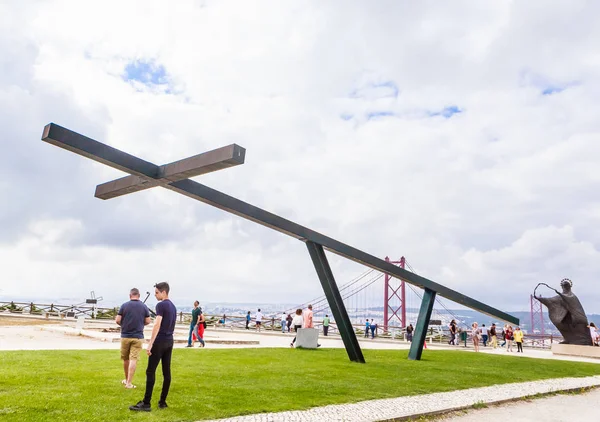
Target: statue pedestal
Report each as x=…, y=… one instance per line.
x=576, y=350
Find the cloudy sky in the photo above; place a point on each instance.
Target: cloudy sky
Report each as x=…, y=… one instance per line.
x=463, y=136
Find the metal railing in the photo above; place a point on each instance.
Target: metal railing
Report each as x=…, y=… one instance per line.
x=238, y=322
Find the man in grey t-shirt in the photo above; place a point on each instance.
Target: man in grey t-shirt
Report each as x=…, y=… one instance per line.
x=132, y=317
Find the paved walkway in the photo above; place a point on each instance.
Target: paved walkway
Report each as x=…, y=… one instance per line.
x=560, y=408
x=64, y=336
x=427, y=404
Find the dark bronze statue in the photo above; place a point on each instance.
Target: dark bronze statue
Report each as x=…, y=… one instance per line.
x=566, y=313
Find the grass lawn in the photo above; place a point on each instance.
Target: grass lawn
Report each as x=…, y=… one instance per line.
x=207, y=384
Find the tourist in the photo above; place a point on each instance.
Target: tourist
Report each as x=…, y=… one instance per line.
x=308, y=318
x=201, y=328
x=297, y=323
x=194, y=323
x=503, y=335
x=518, y=335
x=594, y=334
x=283, y=321
x=484, y=335
x=325, y=325
x=160, y=348
x=289, y=320
x=367, y=325
x=248, y=318
x=258, y=320
x=475, y=336
x=132, y=317
x=373, y=327
x=409, y=333
x=509, y=337
x=452, y=327
x=494, y=338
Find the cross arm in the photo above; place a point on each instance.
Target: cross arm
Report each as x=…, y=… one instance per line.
x=207, y=162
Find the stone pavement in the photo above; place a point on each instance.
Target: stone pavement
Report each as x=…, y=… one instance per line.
x=431, y=404
x=559, y=408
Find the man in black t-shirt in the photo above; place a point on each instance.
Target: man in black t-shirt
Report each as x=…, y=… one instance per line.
x=160, y=348
x=453, y=333
x=132, y=317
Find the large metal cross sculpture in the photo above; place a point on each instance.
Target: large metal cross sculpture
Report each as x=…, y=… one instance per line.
x=175, y=176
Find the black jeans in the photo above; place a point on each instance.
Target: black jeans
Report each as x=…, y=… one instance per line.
x=325, y=329
x=519, y=346
x=160, y=352
x=296, y=328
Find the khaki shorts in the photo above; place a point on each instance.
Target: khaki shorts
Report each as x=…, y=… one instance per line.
x=130, y=348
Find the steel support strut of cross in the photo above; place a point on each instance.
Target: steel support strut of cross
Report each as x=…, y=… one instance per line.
x=316, y=242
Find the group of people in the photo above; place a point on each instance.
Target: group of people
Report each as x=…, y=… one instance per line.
x=290, y=323
x=304, y=319
x=132, y=317
x=370, y=327
x=508, y=335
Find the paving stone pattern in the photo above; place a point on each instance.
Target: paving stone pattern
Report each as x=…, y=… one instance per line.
x=389, y=409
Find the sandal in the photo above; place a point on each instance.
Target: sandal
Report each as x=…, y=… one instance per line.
x=131, y=386
x=124, y=382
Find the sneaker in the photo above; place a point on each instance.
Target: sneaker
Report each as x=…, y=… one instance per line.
x=189, y=345
x=162, y=405
x=141, y=406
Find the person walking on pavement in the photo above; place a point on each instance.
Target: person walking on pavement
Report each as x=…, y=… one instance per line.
x=373, y=328
x=258, y=320
x=132, y=318
x=283, y=322
x=201, y=328
x=409, y=333
x=493, y=336
x=518, y=335
x=452, y=333
x=484, y=335
x=194, y=323
x=325, y=325
x=508, y=333
x=297, y=323
x=475, y=333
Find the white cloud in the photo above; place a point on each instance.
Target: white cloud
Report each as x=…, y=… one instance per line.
x=492, y=199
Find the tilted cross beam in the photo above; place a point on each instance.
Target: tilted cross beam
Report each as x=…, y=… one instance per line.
x=207, y=162
x=151, y=174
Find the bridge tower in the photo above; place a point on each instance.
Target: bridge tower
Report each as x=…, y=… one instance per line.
x=394, y=288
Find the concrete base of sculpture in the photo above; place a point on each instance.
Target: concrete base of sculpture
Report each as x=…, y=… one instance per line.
x=307, y=338
x=576, y=350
